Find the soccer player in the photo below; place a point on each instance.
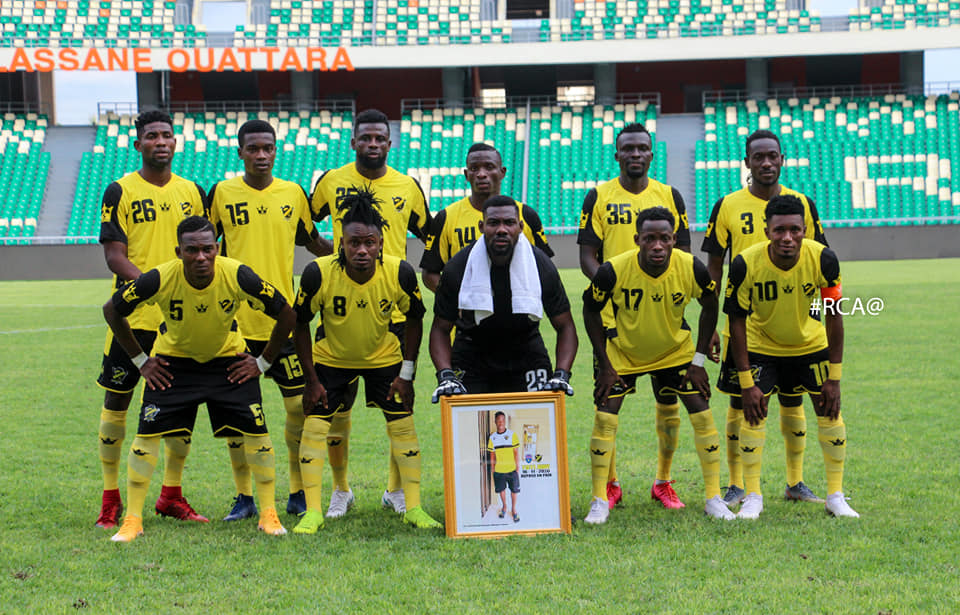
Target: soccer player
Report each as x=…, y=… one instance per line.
x=496, y=291
x=504, y=446
x=197, y=359
x=403, y=207
x=736, y=223
x=777, y=345
x=356, y=292
x=457, y=225
x=138, y=230
x=649, y=288
x=607, y=225
x=262, y=218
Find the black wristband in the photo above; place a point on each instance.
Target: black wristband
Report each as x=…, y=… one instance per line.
x=446, y=374
x=562, y=374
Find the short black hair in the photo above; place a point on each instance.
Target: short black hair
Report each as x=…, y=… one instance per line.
x=499, y=413
x=484, y=147
x=149, y=117
x=761, y=134
x=252, y=127
x=630, y=128
x=655, y=213
x=193, y=224
x=500, y=200
x=784, y=205
x=371, y=116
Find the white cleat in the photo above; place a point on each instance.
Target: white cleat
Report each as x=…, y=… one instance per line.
x=837, y=506
x=395, y=500
x=752, y=506
x=599, y=512
x=340, y=503
x=717, y=509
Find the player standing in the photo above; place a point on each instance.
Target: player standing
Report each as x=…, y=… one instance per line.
x=138, y=230
x=262, y=218
x=736, y=223
x=504, y=446
x=403, y=207
x=607, y=228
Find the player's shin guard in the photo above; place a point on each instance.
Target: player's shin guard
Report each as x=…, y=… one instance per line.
x=178, y=447
x=262, y=459
x=707, y=440
x=140, y=466
x=338, y=449
x=406, y=450
x=112, y=429
x=292, y=432
x=752, y=438
x=238, y=463
x=602, y=442
x=668, y=436
x=833, y=440
x=793, y=426
x=313, y=450
x=734, y=462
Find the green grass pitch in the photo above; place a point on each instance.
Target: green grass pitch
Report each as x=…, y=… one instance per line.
x=902, y=473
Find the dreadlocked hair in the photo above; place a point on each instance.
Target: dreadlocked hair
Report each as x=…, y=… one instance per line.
x=361, y=205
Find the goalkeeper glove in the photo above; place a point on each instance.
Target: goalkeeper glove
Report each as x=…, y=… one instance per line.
x=449, y=385
x=559, y=382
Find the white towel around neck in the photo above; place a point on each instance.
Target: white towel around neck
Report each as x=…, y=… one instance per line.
x=476, y=292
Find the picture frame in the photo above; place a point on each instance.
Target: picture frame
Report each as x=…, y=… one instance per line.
x=474, y=508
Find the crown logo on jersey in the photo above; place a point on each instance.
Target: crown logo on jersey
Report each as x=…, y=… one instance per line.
x=262, y=209
x=362, y=303
x=287, y=211
x=104, y=213
x=227, y=305
x=808, y=289
x=201, y=308
x=266, y=289
x=584, y=218
x=399, y=203
x=677, y=298
x=657, y=298
x=386, y=306
x=788, y=289
x=130, y=292
x=165, y=206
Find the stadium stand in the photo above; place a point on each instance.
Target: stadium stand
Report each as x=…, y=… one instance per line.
x=904, y=15
x=23, y=175
x=866, y=161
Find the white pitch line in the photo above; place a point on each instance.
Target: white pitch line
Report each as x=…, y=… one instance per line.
x=50, y=329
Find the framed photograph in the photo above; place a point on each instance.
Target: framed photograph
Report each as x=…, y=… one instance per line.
x=505, y=464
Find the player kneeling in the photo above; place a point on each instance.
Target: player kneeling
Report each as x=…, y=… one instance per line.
x=650, y=287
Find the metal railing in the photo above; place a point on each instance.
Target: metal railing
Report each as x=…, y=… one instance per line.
x=520, y=102
x=270, y=106
x=860, y=90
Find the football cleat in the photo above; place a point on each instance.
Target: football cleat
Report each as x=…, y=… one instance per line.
x=801, y=493
x=132, y=528
x=270, y=523
x=243, y=508
x=752, y=506
x=395, y=500
x=297, y=503
x=176, y=506
x=340, y=503
x=614, y=494
x=418, y=517
x=717, y=509
x=837, y=506
x=666, y=495
x=599, y=511
x=733, y=496
x=310, y=522
x=110, y=509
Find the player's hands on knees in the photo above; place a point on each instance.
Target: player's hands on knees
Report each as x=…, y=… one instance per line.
x=830, y=399
x=155, y=374
x=607, y=378
x=698, y=377
x=560, y=381
x=314, y=394
x=754, y=405
x=243, y=369
x=715, y=347
x=403, y=388
x=448, y=384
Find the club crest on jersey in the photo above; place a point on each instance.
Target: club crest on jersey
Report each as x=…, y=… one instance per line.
x=677, y=298
x=118, y=376
x=712, y=287
x=150, y=412
x=399, y=203
x=227, y=305
x=287, y=211
x=185, y=207
x=808, y=289
x=301, y=297
x=729, y=292
x=201, y=308
x=709, y=229
x=386, y=306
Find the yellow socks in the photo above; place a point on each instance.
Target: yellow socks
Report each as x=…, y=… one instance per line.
x=707, y=441
x=833, y=440
x=238, y=462
x=293, y=428
x=406, y=451
x=752, y=438
x=262, y=459
x=668, y=436
x=313, y=450
x=338, y=441
x=601, y=450
x=793, y=426
x=393, y=473
x=112, y=430
x=140, y=466
x=178, y=447
x=734, y=463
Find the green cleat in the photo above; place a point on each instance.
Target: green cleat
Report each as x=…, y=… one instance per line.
x=418, y=517
x=310, y=522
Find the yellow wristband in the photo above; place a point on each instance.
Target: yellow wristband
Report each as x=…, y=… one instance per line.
x=746, y=379
x=835, y=371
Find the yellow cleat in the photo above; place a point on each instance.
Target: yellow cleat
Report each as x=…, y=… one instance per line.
x=418, y=517
x=270, y=523
x=311, y=521
x=131, y=528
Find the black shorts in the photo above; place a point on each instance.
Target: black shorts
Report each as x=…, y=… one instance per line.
x=341, y=386
x=285, y=371
x=117, y=373
x=523, y=368
x=666, y=381
x=234, y=408
x=502, y=480
x=784, y=375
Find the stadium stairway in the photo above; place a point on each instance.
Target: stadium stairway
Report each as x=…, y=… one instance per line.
x=66, y=144
x=680, y=131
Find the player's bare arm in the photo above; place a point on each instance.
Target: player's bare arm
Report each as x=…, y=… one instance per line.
x=115, y=254
x=440, y=349
x=431, y=279
x=318, y=246
x=754, y=401
x=589, y=263
x=153, y=370
x=606, y=375
x=830, y=392
x=413, y=334
x=313, y=391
